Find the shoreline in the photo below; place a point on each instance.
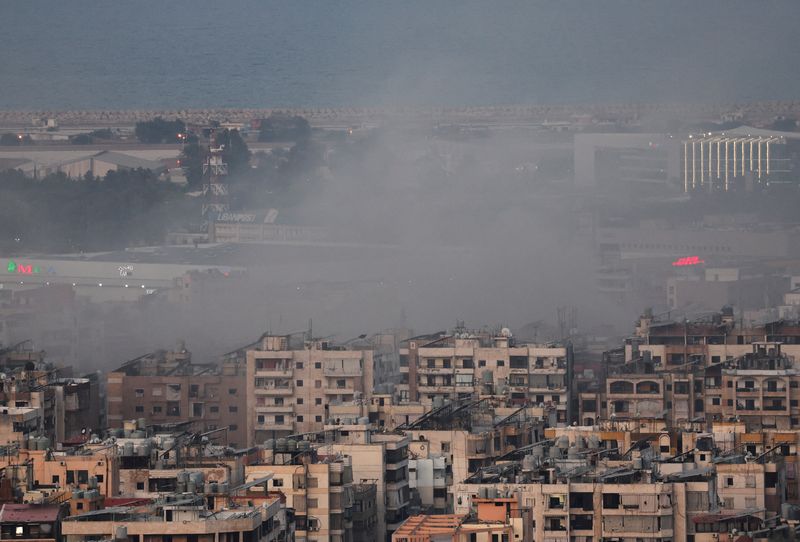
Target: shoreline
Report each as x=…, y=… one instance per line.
x=344, y=116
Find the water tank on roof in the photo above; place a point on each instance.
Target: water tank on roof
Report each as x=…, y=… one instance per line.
x=537, y=451
x=138, y=434
x=438, y=401
x=44, y=443
x=280, y=444
x=555, y=452
x=191, y=486
x=141, y=424
x=594, y=442
x=364, y=420
x=637, y=463
x=291, y=445
x=127, y=449
x=563, y=442
x=198, y=478
x=183, y=476
x=92, y=482
x=572, y=452
x=223, y=487
x=121, y=533
x=303, y=445
x=143, y=450
x=580, y=443
x=77, y=494
x=269, y=444
x=487, y=376
x=528, y=463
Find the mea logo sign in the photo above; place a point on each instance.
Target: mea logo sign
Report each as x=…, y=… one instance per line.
x=27, y=269
x=688, y=260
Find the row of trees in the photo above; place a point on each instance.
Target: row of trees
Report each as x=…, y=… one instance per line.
x=57, y=214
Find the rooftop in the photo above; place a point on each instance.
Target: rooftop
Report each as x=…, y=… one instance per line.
x=29, y=513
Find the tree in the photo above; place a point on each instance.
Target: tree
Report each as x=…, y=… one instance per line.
x=192, y=159
x=784, y=125
x=10, y=139
x=159, y=130
x=284, y=128
x=235, y=151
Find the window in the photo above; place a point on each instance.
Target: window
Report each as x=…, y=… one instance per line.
x=260, y=418
x=231, y=391
x=299, y=418
x=139, y=408
x=139, y=392
x=233, y=427
x=317, y=401
x=729, y=481
x=140, y=486
x=279, y=419
x=233, y=409
x=298, y=365
x=317, y=365
x=715, y=401
x=55, y=478
x=156, y=409
x=501, y=363
x=79, y=506
x=318, y=384
x=445, y=447
x=99, y=478
x=70, y=476
x=214, y=409
x=277, y=482
x=481, y=363
x=341, y=383
x=299, y=383
x=83, y=476
x=299, y=400
x=317, y=419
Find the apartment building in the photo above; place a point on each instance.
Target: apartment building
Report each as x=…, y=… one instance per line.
x=318, y=487
x=466, y=364
x=167, y=387
x=380, y=458
x=470, y=435
x=694, y=373
x=34, y=522
x=384, y=411
x=63, y=471
x=175, y=517
x=290, y=384
x=494, y=521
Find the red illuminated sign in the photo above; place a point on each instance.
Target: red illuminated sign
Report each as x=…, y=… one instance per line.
x=687, y=260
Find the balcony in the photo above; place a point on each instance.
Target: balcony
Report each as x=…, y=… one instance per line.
x=279, y=409
x=342, y=371
x=275, y=390
x=747, y=390
x=272, y=426
x=274, y=373
x=340, y=391
x=435, y=370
